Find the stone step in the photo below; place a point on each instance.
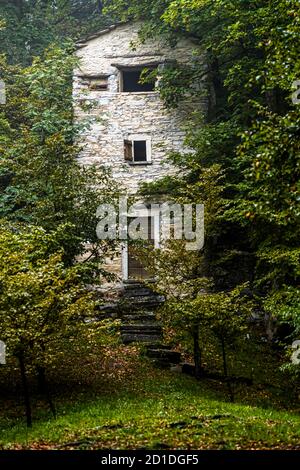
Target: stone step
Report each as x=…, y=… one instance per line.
x=131, y=283
x=138, y=306
x=158, y=346
x=108, y=308
x=141, y=328
x=168, y=356
x=140, y=317
x=141, y=303
x=143, y=296
x=138, y=292
x=162, y=363
x=140, y=338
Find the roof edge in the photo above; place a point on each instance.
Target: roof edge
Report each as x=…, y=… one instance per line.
x=83, y=42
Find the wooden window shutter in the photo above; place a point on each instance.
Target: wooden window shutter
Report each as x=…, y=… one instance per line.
x=128, y=150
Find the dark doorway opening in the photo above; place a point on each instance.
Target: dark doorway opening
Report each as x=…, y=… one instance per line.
x=136, y=270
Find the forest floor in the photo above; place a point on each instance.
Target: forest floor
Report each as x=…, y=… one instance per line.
x=122, y=402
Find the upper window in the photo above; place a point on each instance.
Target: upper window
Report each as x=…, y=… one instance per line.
x=131, y=81
x=140, y=150
x=137, y=150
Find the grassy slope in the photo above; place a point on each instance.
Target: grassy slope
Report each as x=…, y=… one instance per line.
x=139, y=407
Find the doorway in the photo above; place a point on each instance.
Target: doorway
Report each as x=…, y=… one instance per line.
x=132, y=266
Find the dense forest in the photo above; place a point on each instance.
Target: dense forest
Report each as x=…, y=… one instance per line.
x=243, y=164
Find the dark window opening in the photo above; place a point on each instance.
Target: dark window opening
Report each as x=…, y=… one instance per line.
x=136, y=151
x=131, y=82
x=140, y=151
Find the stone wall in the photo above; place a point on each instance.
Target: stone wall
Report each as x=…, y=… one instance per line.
x=121, y=115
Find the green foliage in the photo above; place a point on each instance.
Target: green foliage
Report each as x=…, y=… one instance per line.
x=30, y=26
x=42, y=181
x=41, y=300
x=285, y=303
x=271, y=146
x=42, y=303
x=225, y=314
x=251, y=129
x=43, y=188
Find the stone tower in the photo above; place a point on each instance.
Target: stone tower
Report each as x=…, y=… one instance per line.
x=134, y=131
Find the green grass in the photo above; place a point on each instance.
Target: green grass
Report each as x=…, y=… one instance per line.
x=136, y=406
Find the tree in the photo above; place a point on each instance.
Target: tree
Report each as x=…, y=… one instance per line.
x=42, y=302
x=225, y=314
x=271, y=149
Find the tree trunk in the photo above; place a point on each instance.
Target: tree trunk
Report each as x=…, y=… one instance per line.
x=217, y=92
x=44, y=389
x=229, y=385
x=25, y=391
x=197, y=353
x=99, y=6
x=224, y=358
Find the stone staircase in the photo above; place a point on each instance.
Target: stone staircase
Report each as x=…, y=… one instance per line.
x=139, y=304
x=139, y=323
